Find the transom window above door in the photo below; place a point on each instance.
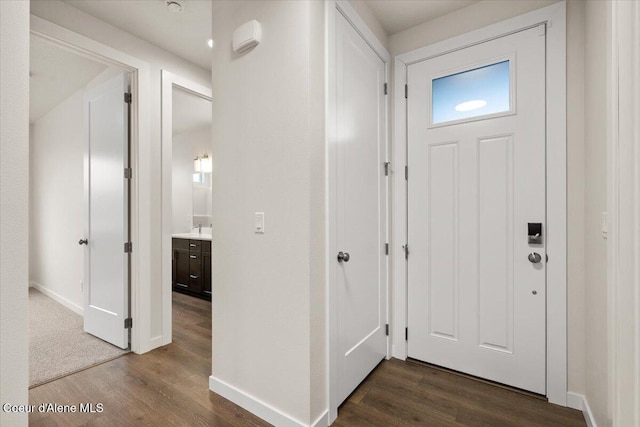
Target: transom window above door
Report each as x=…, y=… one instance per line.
x=481, y=92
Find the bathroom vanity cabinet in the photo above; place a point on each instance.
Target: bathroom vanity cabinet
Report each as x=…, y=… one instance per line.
x=192, y=267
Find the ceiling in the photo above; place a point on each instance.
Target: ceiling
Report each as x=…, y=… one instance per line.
x=185, y=34
x=56, y=74
x=190, y=112
x=398, y=15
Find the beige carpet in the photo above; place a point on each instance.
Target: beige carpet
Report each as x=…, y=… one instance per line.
x=58, y=345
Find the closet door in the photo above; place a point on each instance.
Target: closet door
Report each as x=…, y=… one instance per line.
x=106, y=302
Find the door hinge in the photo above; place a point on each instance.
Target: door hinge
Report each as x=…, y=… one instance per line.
x=128, y=323
x=386, y=329
x=406, y=173
x=127, y=98
x=406, y=91
x=386, y=249
x=386, y=168
x=406, y=334
x=128, y=247
x=128, y=173
x=406, y=251
x=385, y=88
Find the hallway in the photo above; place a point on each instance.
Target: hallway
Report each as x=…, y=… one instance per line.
x=169, y=386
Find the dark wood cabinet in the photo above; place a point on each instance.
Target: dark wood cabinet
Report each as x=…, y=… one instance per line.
x=206, y=275
x=192, y=267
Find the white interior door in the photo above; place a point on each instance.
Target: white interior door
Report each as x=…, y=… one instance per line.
x=360, y=208
x=476, y=158
x=106, y=290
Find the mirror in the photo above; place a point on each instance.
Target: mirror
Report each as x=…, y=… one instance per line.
x=191, y=162
x=201, y=195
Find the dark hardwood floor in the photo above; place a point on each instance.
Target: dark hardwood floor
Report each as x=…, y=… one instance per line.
x=169, y=387
x=165, y=387
x=401, y=393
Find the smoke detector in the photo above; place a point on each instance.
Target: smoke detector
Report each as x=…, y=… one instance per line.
x=174, y=6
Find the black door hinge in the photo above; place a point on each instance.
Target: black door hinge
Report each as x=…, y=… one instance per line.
x=128, y=323
x=386, y=249
x=127, y=173
x=128, y=247
x=386, y=329
x=406, y=251
x=406, y=334
x=406, y=173
x=406, y=91
x=127, y=98
x=386, y=168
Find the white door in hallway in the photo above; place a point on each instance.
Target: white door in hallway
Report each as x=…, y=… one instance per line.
x=106, y=285
x=476, y=180
x=360, y=199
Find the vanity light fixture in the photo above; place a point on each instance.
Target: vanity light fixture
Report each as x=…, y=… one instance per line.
x=205, y=164
x=202, y=164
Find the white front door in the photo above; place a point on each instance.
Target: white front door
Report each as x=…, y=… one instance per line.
x=106, y=290
x=476, y=179
x=360, y=197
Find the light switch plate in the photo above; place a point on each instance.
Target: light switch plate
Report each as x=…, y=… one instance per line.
x=259, y=223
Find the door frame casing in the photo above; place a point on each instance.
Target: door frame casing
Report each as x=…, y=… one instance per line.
x=140, y=162
x=345, y=8
x=556, y=166
x=168, y=82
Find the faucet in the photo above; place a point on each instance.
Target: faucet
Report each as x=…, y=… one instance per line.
x=199, y=228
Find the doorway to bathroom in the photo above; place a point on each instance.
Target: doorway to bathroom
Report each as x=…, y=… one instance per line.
x=187, y=167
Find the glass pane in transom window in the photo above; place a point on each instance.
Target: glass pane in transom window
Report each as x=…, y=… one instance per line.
x=473, y=93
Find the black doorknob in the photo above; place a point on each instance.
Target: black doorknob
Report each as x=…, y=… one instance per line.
x=343, y=256
x=83, y=242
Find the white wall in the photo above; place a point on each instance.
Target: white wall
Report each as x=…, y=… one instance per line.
x=576, y=197
x=268, y=303
x=56, y=215
x=82, y=23
x=14, y=203
x=488, y=12
x=595, y=119
x=186, y=147
x=473, y=17
x=372, y=22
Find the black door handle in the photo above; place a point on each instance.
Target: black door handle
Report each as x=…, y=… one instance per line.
x=343, y=256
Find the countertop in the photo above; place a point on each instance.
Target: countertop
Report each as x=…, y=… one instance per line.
x=192, y=236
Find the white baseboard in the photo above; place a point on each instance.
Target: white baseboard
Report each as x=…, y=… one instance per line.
x=258, y=407
x=57, y=297
x=322, y=420
x=575, y=401
x=579, y=402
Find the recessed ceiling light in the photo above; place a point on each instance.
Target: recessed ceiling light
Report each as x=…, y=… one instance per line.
x=174, y=6
x=210, y=43
x=471, y=105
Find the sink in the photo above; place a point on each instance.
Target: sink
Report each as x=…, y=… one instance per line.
x=192, y=236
